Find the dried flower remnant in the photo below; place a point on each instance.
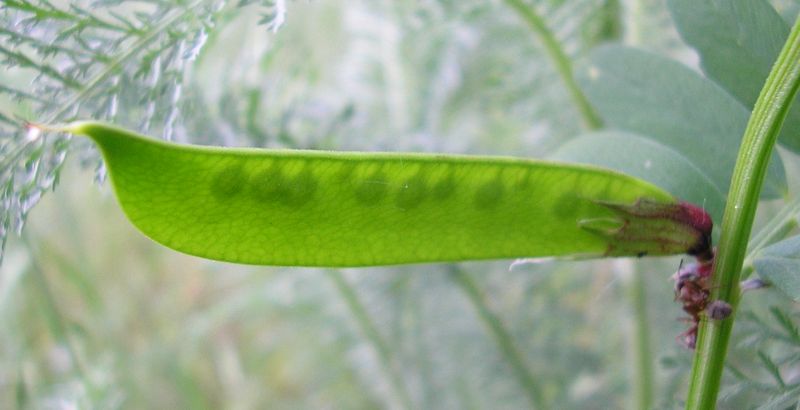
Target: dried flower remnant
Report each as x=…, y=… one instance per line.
x=719, y=310
x=753, y=284
x=680, y=227
x=693, y=290
x=693, y=281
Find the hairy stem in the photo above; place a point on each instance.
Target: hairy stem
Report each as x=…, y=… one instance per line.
x=748, y=177
x=502, y=336
x=562, y=63
x=366, y=325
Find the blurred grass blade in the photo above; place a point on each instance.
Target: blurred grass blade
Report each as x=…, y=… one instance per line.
x=319, y=208
x=559, y=58
x=370, y=331
x=502, y=337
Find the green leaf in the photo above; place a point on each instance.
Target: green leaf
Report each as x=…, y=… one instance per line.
x=659, y=98
x=649, y=160
x=319, y=208
x=738, y=41
x=779, y=264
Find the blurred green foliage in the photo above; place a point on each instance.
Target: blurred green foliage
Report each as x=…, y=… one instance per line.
x=97, y=316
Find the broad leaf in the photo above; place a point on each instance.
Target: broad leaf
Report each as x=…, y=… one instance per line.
x=661, y=99
x=779, y=264
x=649, y=160
x=738, y=41
x=321, y=208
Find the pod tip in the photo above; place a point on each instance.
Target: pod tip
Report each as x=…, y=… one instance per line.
x=32, y=130
x=35, y=129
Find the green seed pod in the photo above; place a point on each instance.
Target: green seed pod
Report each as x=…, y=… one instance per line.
x=321, y=208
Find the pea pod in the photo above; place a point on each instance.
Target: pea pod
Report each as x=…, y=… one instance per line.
x=322, y=208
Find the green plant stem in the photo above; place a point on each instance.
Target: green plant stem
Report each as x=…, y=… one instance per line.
x=748, y=177
x=562, y=63
x=370, y=331
x=643, y=373
x=502, y=336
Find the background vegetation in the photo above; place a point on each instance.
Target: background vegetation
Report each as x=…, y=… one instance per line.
x=95, y=315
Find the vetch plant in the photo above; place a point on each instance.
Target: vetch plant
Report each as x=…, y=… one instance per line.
x=669, y=149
